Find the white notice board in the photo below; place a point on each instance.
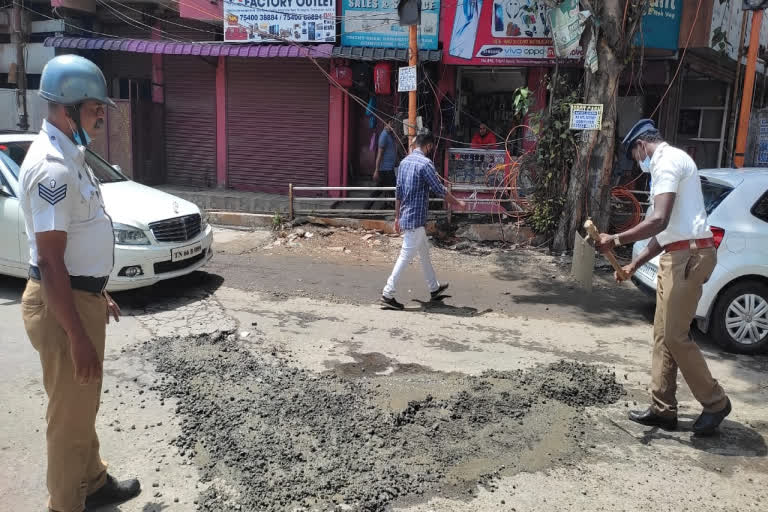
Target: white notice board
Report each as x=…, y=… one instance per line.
x=407, y=79
x=586, y=116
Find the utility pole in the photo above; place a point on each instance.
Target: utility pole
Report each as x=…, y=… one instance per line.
x=409, y=12
x=749, y=85
x=18, y=37
x=413, y=60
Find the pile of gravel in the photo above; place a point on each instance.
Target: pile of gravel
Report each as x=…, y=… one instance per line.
x=283, y=438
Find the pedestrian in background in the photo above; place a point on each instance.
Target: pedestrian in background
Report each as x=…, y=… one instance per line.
x=65, y=305
x=416, y=178
x=677, y=226
x=386, y=157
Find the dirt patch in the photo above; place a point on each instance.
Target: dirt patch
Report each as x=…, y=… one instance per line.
x=269, y=436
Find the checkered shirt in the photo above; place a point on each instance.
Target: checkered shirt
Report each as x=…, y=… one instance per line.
x=416, y=177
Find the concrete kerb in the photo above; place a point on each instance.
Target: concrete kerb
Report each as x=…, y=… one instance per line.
x=475, y=232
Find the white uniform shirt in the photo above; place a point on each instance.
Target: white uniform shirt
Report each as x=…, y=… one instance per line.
x=672, y=170
x=60, y=193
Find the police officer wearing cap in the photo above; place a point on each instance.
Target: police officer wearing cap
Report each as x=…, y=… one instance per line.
x=65, y=305
x=677, y=226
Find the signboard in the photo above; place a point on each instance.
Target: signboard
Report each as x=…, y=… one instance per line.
x=375, y=23
x=497, y=33
x=406, y=80
x=661, y=25
x=762, y=144
x=273, y=21
x=586, y=117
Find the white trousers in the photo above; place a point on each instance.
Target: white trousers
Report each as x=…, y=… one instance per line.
x=414, y=243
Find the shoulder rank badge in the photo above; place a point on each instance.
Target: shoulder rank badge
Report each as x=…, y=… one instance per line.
x=51, y=194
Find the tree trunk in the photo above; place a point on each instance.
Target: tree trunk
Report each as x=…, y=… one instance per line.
x=589, y=186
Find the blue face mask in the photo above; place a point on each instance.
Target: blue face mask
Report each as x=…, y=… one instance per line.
x=80, y=142
x=645, y=165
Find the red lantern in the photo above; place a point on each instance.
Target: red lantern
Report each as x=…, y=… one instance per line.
x=382, y=78
x=343, y=75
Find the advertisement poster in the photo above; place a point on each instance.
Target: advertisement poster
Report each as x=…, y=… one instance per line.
x=661, y=25
x=279, y=21
x=375, y=24
x=497, y=32
x=567, y=24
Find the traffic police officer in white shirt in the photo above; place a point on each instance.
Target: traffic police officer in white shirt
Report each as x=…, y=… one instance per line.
x=677, y=225
x=65, y=305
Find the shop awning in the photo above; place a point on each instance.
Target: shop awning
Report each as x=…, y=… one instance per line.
x=212, y=49
x=366, y=53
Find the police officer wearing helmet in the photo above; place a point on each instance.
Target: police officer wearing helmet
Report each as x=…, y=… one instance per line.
x=65, y=305
x=678, y=229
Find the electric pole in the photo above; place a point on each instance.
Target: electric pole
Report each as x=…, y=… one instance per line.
x=18, y=37
x=749, y=82
x=413, y=61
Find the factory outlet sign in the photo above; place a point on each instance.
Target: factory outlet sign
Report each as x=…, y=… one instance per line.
x=274, y=21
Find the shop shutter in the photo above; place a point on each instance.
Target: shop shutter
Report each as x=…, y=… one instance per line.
x=277, y=124
x=190, y=121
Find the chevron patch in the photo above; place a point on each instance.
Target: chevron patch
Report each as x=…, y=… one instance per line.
x=52, y=194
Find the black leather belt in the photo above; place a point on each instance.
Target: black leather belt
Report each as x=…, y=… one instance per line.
x=82, y=283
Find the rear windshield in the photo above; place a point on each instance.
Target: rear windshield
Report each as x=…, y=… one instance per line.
x=714, y=193
x=104, y=172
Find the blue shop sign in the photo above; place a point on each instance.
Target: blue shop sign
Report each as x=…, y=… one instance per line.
x=375, y=24
x=661, y=25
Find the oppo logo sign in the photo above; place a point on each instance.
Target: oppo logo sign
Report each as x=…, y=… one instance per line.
x=526, y=52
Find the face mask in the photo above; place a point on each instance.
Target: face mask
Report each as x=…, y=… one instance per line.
x=81, y=142
x=645, y=165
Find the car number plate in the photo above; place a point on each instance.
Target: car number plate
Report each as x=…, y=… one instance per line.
x=648, y=271
x=186, y=252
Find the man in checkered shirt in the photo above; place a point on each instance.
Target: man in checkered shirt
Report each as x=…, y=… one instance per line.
x=416, y=178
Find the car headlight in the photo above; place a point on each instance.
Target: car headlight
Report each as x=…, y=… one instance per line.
x=203, y=220
x=129, y=235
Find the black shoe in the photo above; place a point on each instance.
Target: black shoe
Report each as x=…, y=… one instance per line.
x=708, y=422
x=391, y=303
x=651, y=419
x=112, y=493
x=433, y=295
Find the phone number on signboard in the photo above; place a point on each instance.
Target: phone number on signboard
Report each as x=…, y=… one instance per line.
x=283, y=17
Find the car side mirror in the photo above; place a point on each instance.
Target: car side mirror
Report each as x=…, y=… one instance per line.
x=117, y=168
x=5, y=191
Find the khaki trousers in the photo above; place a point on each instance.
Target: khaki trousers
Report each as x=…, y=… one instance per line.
x=75, y=468
x=678, y=290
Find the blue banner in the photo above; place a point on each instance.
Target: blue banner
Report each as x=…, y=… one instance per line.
x=661, y=25
x=374, y=23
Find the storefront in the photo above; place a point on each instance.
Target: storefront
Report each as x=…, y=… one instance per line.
x=373, y=48
x=493, y=49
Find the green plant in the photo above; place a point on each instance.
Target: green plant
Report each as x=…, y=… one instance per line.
x=553, y=158
x=277, y=221
x=522, y=102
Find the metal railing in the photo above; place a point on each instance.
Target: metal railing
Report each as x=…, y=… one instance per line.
x=295, y=201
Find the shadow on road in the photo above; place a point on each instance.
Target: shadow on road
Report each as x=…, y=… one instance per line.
x=170, y=294
x=611, y=303
x=176, y=292
x=732, y=439
x=11, y=289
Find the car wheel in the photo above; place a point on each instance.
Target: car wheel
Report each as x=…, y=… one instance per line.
x=740, y=318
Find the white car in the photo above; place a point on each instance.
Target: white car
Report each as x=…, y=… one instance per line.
x=734, y=303
x=157, y=236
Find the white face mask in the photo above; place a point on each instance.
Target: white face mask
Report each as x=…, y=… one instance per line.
x=645, y=164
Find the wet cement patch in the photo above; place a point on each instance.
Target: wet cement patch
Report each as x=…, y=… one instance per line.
x=269, y=436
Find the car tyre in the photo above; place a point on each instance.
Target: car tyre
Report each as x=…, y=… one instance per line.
x=735, y=307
